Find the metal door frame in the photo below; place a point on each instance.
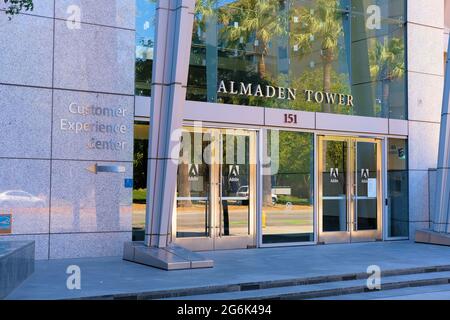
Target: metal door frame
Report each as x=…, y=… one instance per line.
x=350, y=235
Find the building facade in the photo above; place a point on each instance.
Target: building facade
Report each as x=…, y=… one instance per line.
x=305, y=122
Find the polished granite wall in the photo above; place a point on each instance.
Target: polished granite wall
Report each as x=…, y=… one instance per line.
x=52, y=73
x=425, y=91
x=16, y=264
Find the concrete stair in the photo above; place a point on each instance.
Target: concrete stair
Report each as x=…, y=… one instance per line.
x=436, y=292
x=314, y=288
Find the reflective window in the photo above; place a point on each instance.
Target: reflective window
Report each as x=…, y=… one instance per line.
x=145, y=40
x=140, y=179
x=398, y=188
x=288, y=188
x=337, y=56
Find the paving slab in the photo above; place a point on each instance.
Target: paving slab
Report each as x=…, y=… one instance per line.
x=106, y=277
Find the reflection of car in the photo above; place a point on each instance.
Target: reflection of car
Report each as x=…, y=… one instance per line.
x=243, y=192
x=15, y=198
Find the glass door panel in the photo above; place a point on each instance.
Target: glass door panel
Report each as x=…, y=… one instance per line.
x=235, y=185
x=193, y=186
x=334, y=183
x=367, y=193
x=237, y=189
x=366, y=186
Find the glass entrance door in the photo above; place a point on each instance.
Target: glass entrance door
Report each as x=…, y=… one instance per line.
x=350, y=184
x=216, y=189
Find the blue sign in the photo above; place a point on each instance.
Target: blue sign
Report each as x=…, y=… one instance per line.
x=5, y=223
x=128, y=183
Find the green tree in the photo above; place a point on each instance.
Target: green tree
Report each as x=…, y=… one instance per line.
x=144, y=63
x=14, y=7
x=295, y=163
x=312, y=80
x=204, y=9
x=321, y=25
x=387, y=63
x=254, y=20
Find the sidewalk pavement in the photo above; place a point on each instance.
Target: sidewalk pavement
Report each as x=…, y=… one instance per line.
x=113, y=276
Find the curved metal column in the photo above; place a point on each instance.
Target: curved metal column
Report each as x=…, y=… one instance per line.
x=441, y=216
x=170, y=73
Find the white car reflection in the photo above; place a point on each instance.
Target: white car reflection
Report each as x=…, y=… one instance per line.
x=244, y=190
x=16, y=198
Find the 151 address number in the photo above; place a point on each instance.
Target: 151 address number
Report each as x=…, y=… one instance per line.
x=290, y=118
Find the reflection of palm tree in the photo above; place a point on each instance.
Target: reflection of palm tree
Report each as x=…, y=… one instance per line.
x=145, y=45
x=183, y=184
x=17, y=6
x=323, y=23
x=205, y=43
x=254, y=19
x=387, y=63
x=204, y=9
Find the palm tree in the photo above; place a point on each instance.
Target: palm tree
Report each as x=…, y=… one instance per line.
x=203, y=10
x=259, y=21
x=387, y=63
x=321, y=25
x=14, y=7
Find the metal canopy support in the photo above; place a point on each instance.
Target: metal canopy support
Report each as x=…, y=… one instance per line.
x=441, y=216
x=440, y=223
x=174, y=26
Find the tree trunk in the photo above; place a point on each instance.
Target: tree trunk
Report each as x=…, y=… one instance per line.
x=261, y=64
x=327, y=69
x=184, y=187
x=267, y=190
x=306, y=180
x=267, y=171
x=385, y=104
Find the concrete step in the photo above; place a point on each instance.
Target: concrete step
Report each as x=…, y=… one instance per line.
x=329, y=289
x=436, y=292
x=249, y=286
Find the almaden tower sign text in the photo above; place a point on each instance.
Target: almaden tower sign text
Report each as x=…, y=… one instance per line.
x=283, y=93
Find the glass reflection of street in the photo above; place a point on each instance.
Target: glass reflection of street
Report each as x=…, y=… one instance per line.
x=282, y=219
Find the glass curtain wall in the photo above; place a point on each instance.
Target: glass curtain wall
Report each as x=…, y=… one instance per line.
x=145, y=42
x=338, y=56
x=139, y=179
